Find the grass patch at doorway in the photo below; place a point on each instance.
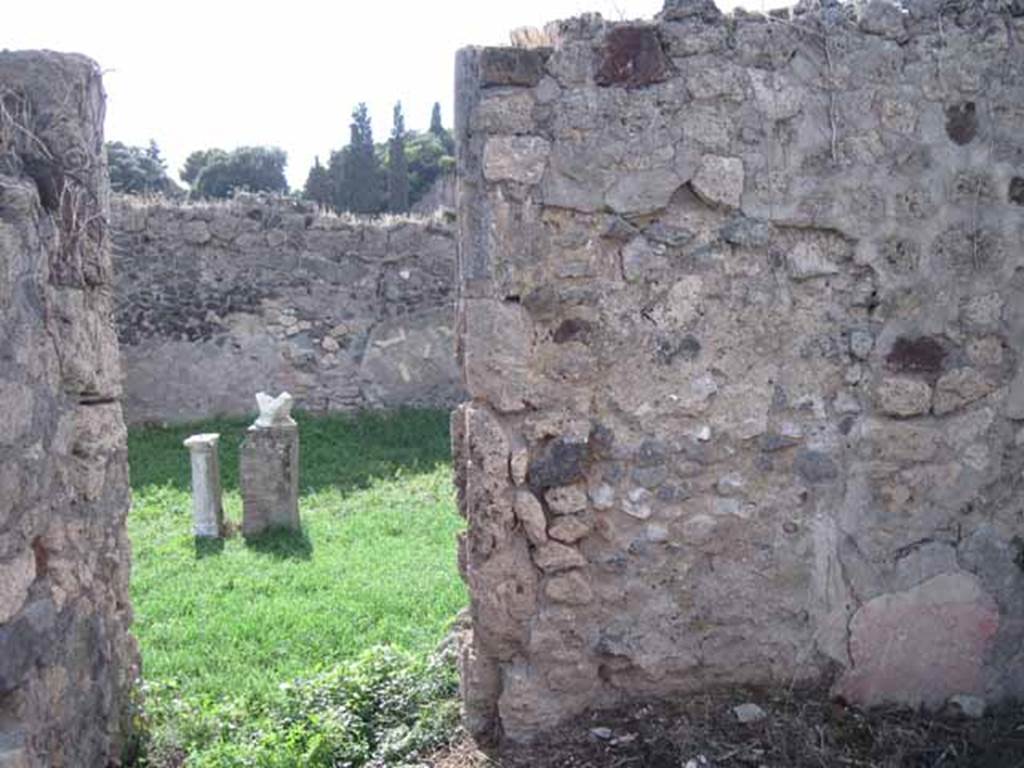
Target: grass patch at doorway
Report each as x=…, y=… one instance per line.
x=281, y=649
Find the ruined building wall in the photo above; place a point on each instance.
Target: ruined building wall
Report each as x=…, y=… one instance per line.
x=218, y=301
x=742, y=321
x=66, y=659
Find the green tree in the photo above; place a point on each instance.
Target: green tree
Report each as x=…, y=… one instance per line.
x=428, y=158
x=336, y=175
x=437, y=129
x=197, y=161
x=318, y=185
x=138, y=170
x=436, y=126
x=398, y=167
x=367, y=178
x=360, y=188
x=256, y=169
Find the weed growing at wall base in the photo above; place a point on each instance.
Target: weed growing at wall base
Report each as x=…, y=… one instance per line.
x=313, y=649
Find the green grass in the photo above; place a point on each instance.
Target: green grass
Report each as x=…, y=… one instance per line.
x=226, y=629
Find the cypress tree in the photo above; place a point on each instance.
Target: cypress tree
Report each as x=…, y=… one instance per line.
x=359, y=171
x=398, y=168
x=318, y=185
x=438, y=130
x=436, y=127
x=336, y=172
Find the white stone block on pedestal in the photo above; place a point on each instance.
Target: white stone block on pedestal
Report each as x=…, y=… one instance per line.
x=269, y=468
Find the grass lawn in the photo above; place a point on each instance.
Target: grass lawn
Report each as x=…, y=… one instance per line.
x=226, y=627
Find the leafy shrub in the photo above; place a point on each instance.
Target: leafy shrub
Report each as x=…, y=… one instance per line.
x=382, y=709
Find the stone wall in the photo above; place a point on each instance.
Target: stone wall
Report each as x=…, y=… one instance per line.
x=216, y=302
x=741, y=316
x=66, y=659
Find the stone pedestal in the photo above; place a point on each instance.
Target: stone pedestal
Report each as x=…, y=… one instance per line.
x=207, y=509
x=269, y=476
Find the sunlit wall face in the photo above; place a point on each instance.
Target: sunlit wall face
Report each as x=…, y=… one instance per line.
x=193, y=74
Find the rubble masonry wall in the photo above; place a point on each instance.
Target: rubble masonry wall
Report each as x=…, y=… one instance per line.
x=218, y=301
x=66, y=659
x=741, y=318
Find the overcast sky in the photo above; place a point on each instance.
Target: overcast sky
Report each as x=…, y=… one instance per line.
x=224, y=73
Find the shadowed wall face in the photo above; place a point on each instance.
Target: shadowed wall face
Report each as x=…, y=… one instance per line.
x=741, y=319
x=66, y=659
x=218, y=301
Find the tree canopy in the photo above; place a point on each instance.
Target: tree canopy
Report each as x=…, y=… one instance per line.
x=255, y=169
x=365, y=177
x=138, y=170
x=198, y=160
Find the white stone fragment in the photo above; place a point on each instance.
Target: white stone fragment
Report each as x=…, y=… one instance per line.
x=701, y=433
x=638, y=494
x=603, y=496
x=635, y=505
x=274, y=411
x=749, y=713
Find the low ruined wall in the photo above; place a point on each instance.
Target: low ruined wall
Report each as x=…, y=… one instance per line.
x=741, y=318
x=66, y=659
x=216, y=302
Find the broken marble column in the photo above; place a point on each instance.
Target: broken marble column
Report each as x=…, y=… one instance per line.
x=207, y=509
x=269, y=464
